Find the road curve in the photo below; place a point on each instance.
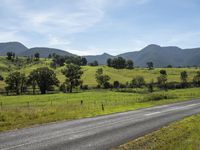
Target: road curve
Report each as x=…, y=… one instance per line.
x=103, y=132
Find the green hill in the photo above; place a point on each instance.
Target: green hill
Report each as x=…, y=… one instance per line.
x=123, y=75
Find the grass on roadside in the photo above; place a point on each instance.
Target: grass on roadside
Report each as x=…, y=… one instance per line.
x=181, y=135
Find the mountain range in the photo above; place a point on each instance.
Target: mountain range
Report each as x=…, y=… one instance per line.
x=160, y=56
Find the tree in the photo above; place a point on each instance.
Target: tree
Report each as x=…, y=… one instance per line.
x=83, y=61
x=45, y=79
x=150, y=86
x=116, y=84
x=169, y=66
x=1, y=78
x=98, y=75
x=94, y=63
x=119, y=63
x=32, y=80
x=37, y=56
x=73, y=74
x=109, y=62
x=50, y=56
x=184, y=78
x=196, y=79
x=16, y=81
x=162, y=79
x=163, y=72
x=10, y=55
x=129, y=64
x=150, y=65
x=138, y=81
x=102, y=80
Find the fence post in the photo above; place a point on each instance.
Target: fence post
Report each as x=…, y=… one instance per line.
x=1, y=105
x=102, y=107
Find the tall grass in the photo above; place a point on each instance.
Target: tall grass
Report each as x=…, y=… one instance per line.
x=21, y=111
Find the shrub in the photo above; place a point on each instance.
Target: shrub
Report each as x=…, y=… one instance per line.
x=159, y=96
x=116, y=84
x=1, y=78
x=84, y=87
x=138, y=82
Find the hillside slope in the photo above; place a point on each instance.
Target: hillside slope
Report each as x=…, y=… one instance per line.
x=163, y=56
x=102, y=59
x=44, y=52
x=15, y=47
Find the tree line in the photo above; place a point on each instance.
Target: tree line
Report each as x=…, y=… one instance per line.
x=120, y=63
x=139, y=81
x=58, y=60
x=43, y=78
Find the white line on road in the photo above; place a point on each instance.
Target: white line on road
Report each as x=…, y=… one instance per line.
x=172, y=109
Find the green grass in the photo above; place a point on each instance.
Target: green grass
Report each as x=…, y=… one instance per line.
x=22, y=111
x=181, y=135
x=123, y=75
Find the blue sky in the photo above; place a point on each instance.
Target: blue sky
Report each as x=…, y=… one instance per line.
x=96, y=26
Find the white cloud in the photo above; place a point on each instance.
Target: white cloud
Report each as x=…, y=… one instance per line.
x=58, y=20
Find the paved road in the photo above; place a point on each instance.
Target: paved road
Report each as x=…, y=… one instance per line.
x=102, y=132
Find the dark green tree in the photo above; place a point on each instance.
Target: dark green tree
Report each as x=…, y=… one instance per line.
x=50, y=56
x=83, y=61
x=45, y=79
x=162, y=79
x=32, y=80
x=196, y=79
x=150, y=65
x=9, y=55
x=1, y=78
x=116, y=84
x=94, y=63
x=119, y=63
x=16, y=82
x=109, y=62
x=37, y=56
x=102, y=80
x=129, y=64
x=184, y=78
x=151, y=86
x=73, y=75
x=138, y=82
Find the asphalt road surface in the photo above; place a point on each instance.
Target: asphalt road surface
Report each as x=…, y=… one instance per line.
x=103, y=132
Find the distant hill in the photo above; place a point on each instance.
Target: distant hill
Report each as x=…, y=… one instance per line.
x=160, y=56
x=20, y=50
x=102, y=59
x=12, y=47
x=163, y=56
x=44, y=52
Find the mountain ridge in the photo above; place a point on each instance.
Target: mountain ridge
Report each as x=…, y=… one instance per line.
x=160, y=56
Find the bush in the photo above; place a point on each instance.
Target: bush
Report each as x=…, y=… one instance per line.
x=116, y=84
x=122, y=86
x=159, y=96
x=1, y=78
x=84, y=87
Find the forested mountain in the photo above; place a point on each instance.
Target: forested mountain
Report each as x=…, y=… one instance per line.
x=160, y=56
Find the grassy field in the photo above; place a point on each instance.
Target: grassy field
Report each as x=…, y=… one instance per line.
x=123, y=75
x=22, y=111
x=181, y=135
